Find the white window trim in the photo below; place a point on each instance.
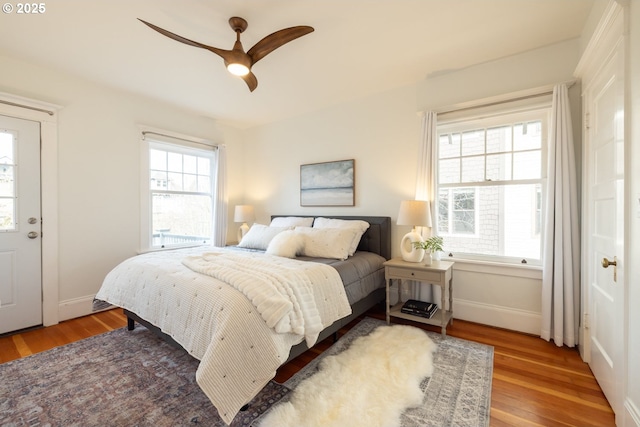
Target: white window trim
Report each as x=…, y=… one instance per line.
x=159, y=136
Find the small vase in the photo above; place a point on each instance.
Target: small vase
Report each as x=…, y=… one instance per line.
x=428, y=258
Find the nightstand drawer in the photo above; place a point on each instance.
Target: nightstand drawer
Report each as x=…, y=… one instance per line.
x=423, y=276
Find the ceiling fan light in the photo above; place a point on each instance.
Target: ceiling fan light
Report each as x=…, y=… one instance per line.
x=238, y=69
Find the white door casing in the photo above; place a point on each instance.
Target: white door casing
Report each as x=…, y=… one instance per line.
x=604, y=185
x=20, y=224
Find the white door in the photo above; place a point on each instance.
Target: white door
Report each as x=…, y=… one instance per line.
x=20, y=225
x=604, y=108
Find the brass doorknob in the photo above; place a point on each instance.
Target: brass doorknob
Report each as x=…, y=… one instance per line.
x=606, y=263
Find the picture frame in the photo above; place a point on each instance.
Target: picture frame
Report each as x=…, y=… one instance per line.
x=328, y=183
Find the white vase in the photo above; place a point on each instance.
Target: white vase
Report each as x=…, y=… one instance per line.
x=428, y=259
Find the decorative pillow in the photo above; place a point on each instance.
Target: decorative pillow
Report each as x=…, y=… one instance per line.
x=326, y=242
x=286, y=244
x=291, y=221
x=358, y=226
x=259, y=236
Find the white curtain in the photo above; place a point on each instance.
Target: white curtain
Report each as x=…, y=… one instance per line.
x=426, y=183
x=427, y=157
x=561, y=255
x=220, y=202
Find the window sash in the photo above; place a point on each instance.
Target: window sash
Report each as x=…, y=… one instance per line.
x=478, y=154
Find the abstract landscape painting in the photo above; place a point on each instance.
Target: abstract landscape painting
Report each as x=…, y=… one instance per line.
x=328, y=184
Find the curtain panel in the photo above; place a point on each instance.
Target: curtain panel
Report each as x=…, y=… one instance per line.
x=220, y=202
x=561, y=253
x=426, y=180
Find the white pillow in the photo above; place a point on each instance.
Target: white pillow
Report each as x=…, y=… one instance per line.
x=291, y=221
x=358, y=226
x=259, y=236
x=326, y=242
x=286, y=244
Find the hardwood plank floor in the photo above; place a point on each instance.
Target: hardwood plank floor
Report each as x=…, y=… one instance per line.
x=535, y=383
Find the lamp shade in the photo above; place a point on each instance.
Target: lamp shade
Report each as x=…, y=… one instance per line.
x=415, y=213
x=243, y=213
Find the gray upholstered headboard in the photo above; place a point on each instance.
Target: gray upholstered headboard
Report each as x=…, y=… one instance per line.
x=376, y=239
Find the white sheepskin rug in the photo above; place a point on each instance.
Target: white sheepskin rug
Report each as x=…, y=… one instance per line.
x=369, y=384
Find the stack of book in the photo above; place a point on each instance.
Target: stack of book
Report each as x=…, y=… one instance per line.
x=419, y=308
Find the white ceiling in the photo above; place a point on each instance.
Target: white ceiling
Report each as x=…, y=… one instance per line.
x=358, y=46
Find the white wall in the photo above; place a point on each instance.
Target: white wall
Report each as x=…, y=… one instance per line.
x=379, y=132
x=98, y=164
x=382, y=133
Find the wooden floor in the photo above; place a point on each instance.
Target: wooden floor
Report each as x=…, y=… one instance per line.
x=535, y=383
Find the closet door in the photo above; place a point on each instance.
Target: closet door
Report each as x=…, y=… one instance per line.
x=604, y=193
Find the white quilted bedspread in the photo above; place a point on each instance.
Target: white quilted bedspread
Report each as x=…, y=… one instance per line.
x=211, y=314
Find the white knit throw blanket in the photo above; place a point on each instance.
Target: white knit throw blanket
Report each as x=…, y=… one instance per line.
x=280, y=290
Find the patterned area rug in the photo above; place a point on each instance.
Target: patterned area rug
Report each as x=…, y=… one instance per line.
x=457, y=394
x=121, y=378
x=132, y=378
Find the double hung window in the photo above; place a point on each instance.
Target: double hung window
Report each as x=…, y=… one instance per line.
x=489, y=185
x=179, y=188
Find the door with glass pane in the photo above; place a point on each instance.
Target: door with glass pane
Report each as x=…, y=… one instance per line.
x=20, y=225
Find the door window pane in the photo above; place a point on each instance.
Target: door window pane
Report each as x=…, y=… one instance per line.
x=7, y=181
x=7, y=214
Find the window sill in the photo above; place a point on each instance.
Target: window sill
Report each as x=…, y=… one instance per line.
x=171, y=248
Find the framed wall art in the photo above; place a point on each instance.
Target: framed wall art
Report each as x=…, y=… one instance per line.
x=328, y=184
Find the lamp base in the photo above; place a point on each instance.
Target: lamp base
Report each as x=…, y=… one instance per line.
x=409, y=252
x=242, y=231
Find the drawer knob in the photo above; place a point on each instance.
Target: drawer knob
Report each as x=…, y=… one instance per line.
x=413, y=274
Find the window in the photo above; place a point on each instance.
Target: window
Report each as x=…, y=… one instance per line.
x=7, y=181
x=179, y=183
x=490, y=192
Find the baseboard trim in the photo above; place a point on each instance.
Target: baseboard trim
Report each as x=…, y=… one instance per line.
x=486, y=314
x=631, y=414
x=78, y=307
x=493, y=315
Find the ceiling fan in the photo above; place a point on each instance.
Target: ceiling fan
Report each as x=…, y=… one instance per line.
x=238, y=61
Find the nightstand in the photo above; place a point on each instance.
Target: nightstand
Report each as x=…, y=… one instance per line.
x=439, y=273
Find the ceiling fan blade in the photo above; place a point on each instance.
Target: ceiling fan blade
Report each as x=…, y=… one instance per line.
x=220, y=52
x=251, y=81
x=275, y=40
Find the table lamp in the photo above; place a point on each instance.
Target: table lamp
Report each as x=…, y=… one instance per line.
x=415, y=213
x=243, y=214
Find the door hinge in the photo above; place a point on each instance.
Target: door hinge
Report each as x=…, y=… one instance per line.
x=586, y=121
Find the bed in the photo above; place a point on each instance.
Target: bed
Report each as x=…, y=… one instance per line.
x=240, y=328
